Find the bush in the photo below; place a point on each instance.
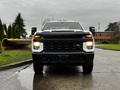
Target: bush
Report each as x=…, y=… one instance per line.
x=105, y=42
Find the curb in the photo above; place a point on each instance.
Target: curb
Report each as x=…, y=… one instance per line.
x=13, y=65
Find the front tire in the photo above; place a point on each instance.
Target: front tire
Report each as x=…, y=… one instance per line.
x=87, y=68
x=38, y=68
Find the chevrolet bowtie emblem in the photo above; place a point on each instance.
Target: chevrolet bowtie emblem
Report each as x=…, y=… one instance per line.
x=77, y=45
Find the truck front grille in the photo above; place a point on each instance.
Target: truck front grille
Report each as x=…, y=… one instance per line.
x=63, y=46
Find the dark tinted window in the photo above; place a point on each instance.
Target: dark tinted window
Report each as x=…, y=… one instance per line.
x=62, y=25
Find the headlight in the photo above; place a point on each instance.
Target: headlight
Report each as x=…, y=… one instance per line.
x=36, y=45
x=89, y=45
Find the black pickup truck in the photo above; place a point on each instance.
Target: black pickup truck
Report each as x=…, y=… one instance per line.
x=63, y=43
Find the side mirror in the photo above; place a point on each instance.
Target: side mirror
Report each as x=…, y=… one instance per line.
x=92, y=30
x=33, y=30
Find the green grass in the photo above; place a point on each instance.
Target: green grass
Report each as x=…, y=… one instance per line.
x=12, y=56
x=109, y=46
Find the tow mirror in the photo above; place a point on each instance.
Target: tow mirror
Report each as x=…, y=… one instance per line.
x=33, y=30
x=92, y=30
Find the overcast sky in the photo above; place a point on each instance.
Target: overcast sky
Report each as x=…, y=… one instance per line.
x=88, y=12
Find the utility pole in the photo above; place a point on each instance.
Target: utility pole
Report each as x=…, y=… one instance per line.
x=99, y=27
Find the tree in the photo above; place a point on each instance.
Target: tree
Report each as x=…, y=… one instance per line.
x=1, y=30
x=20, y=24
x=16, y=31
x=9, y=33
x=113, y=27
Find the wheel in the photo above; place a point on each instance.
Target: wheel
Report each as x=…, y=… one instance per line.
x=37, y=68
x=87, y=68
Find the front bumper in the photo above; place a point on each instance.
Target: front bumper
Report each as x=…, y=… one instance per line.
x=48, y=58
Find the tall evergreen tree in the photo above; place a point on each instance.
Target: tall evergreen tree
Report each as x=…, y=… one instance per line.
x=9, y=33
x=13, y=31
x=20, y=23
x=1, y=30
x=18, y=31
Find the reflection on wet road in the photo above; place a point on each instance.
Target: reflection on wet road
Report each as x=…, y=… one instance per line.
x=105, y=76
x=62, y=78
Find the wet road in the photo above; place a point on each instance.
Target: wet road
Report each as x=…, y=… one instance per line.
x=105, y=76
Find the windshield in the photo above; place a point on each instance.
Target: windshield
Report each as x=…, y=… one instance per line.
x=62, y=25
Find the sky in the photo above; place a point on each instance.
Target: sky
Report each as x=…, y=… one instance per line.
x=98, y=13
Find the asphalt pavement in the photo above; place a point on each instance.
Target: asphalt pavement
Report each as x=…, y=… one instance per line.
x=105, y=76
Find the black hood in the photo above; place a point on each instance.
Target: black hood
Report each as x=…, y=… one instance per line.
x=47, y=33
